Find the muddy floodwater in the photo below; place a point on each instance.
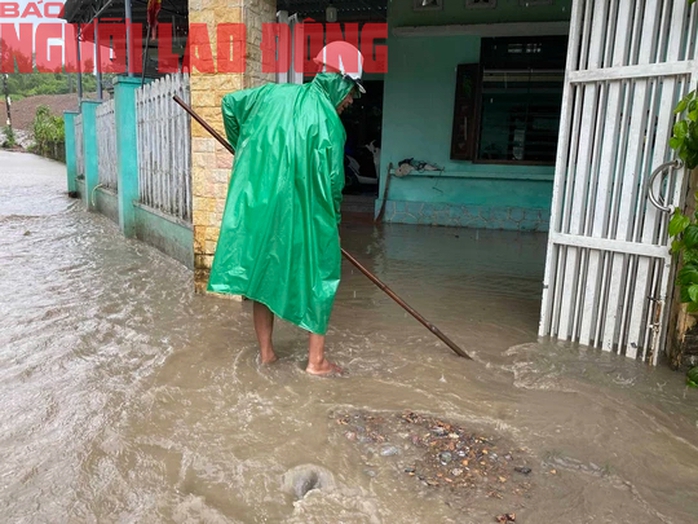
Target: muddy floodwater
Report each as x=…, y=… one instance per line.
x=126, y=398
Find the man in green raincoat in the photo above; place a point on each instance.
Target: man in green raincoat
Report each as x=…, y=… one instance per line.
x=279, y=242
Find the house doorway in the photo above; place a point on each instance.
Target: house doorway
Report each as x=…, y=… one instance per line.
x=362, y=122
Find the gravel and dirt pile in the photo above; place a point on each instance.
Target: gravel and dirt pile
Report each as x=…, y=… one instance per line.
x=439, y=455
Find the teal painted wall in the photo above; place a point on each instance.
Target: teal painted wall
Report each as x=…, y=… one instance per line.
x=168, y=234
x=418, y=115
x=70, y=155
x=127, y=150
x=88, y=108
x=106, y=202
x=81, y=190
x=173, y=238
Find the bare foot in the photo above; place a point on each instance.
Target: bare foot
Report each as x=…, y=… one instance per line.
x=268, y=358
x=324, y=368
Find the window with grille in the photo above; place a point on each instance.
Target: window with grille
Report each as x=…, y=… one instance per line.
x=510, y=113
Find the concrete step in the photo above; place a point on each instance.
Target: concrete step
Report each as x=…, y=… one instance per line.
x=358, y=203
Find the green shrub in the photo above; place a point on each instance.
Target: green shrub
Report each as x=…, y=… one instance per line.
x=9, y=140
x=49, y=134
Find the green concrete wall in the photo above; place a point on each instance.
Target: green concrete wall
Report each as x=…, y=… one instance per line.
x=81, y=190
x=170, y=236
x=418, y=117
x=106, y=202
x=88, y=108
x=126, y=141
x=70, y=152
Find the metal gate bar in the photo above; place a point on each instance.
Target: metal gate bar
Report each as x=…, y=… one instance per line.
x=608, y=267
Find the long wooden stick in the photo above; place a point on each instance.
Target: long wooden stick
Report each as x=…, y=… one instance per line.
x=379, y=218
x=201, y=121
x=373, y=278
x=431, y=327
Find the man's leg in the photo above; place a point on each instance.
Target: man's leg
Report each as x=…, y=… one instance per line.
x=317, y=363
x=264, y=326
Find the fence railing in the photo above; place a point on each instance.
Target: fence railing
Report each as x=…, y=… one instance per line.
x=106, y=145
x=164, y=152
x=79, y=155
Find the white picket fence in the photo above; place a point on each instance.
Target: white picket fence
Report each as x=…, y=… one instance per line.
x=79, y=155
x=164, y=152
x=106, y=145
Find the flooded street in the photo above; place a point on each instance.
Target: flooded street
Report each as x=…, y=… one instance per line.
x=128, y=398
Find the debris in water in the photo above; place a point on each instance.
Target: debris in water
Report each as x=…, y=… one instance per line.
x=445, y=457
x=439, y=454
x=522, y=469
x=389, y=451
x=506, y=517
x=439, y=431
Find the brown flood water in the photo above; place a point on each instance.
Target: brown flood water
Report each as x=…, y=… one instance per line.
x=127, y=398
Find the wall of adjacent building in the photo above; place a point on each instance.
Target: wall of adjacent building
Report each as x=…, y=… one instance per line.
x=418, y=118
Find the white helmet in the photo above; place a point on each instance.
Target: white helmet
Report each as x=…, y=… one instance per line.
x=343, y=58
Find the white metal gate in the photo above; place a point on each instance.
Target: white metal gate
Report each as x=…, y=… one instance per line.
x=609, y=273
x=164, y=147
x=107, y=171
x=79, y=149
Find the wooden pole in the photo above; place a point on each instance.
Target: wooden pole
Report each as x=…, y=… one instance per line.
x=431, y=327
x=130, y=66
x=373, y=278
x=77, y=41
x=145, y=56
x=8, y=103
x=385, y=193
x=98, y=59
x=207, y=127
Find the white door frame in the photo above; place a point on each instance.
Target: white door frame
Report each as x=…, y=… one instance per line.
x=295, y=29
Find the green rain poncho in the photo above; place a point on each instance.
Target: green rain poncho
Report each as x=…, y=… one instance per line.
x=279, y=238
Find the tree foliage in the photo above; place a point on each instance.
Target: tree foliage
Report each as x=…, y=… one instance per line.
x=683, y=229
x=49, y=134
x=685, y=136
x=8, y=138
x=58, y=82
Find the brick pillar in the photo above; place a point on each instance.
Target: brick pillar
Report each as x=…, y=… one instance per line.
x=211, y=163
x=257, y=13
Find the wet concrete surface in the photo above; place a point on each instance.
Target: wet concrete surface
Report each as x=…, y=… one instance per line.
x=128, y=398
